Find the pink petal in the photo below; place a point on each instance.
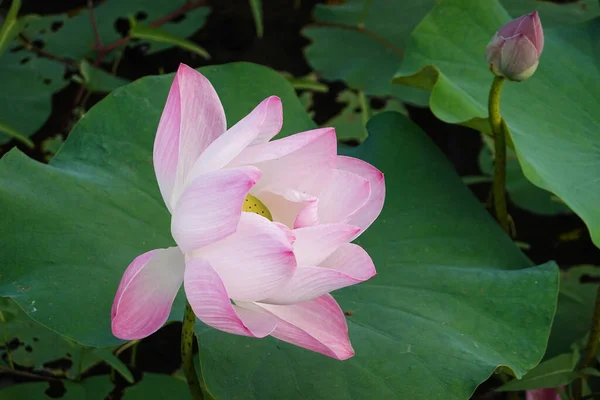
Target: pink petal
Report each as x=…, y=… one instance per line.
x=192, y=119
x=210, y=208
x=291, y=207
x=513, y=27
x=344, y=196
x=288, y=232
x=315, y=243
x=211, y=303
x=303, y=161
x=372, y=208
x=263, y=122
x=146, y=293
x=255, y=260
x=347, y=266
x=517, y=55
x=318, y=325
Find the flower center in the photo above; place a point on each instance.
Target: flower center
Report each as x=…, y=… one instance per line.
x=254, y=205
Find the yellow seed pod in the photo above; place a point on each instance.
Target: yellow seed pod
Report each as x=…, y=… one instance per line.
x=254, y=205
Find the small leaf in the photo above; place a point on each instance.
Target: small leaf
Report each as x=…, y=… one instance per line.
x=11, y=27
x=256, y=6
x=556, y=372
x=98, y=80
x=142, y=31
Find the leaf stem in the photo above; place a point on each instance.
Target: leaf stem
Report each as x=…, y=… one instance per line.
x=500, y=131
x=187, y=355
x=591, y=349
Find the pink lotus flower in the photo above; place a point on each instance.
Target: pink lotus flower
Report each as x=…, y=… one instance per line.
x=243, y=273
x=515, y=50
x=542, y=394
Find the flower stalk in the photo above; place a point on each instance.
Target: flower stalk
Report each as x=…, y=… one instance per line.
x=499, y=130
x=187, y=355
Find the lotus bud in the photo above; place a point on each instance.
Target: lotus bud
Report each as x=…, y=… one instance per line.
x=515, y=49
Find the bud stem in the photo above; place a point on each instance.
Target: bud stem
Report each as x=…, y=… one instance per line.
x=187, y=355
x=500, y=130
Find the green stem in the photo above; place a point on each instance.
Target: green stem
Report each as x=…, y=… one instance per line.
x=499, y=129
x=133, y=355
x=591, y=349
x=187, y=355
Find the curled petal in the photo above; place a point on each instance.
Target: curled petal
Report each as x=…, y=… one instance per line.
x=263, y=122
x=318, y=325
x=365, y=216
x=210, y=208
x=192, y=119
x=346, y=194
x=315, y=243
x=212, y=305
x=291, y=207
x=347, y=266
x=303, y=161
x=253, y=261
x=146, y=293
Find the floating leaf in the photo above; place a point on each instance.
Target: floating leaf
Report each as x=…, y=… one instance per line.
x=553, y=117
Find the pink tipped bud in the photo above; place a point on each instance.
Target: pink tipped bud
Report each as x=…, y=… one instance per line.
x=515, y=50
